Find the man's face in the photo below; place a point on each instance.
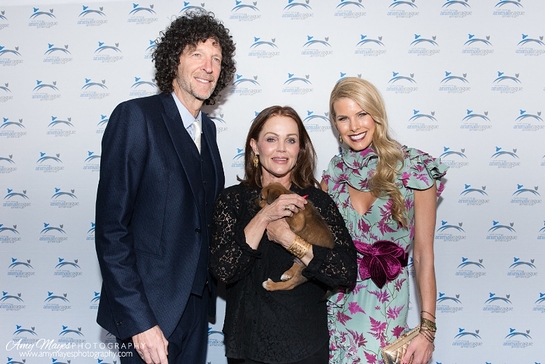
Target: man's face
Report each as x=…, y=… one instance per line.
x=198, y=71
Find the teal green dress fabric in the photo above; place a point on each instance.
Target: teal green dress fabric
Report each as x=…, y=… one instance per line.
x=366, y=318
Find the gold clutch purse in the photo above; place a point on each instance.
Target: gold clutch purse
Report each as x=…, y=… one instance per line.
x=393, y=353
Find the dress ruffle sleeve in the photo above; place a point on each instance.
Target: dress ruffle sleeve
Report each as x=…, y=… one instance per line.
x=421, y=170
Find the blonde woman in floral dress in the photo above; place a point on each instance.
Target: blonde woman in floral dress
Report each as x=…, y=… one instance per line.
x=387, y=195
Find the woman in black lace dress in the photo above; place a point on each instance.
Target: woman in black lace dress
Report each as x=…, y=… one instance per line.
x=250, y=245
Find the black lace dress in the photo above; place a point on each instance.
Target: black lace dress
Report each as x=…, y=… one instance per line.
x=277, y=326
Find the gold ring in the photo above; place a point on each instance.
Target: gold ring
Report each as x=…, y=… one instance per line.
x=287, y=207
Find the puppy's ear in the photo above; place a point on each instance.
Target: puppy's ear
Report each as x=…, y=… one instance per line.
x=274, y=191
x=271, y=197
x=260, y=200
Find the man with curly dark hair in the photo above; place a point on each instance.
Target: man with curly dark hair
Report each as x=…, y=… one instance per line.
x=160, y=174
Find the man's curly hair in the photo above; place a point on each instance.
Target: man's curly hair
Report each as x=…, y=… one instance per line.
x=189, y=30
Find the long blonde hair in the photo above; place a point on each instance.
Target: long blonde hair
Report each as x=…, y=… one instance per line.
x=390, y=154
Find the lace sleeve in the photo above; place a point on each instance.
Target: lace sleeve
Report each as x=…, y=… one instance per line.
x=335, y=267
x=230, y=257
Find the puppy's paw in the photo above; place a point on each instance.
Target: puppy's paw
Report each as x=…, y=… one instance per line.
x=285, y=277
x=267, y=283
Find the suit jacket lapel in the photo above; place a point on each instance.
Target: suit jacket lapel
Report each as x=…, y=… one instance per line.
x=183, y=144
x=209, y=133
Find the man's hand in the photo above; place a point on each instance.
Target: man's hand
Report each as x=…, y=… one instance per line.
x=152, y=346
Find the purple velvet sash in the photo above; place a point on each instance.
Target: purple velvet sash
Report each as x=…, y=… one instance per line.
x=382, y=261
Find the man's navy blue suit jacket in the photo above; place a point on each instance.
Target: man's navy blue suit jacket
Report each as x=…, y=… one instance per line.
x=151, y=217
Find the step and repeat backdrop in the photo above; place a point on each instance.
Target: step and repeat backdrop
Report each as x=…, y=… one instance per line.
x=463, y=80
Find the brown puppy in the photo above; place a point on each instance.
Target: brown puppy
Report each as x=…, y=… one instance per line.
x=308, y=224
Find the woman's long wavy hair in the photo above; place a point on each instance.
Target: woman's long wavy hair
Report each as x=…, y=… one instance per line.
x=390, y=154
x=302, y=175
x=189, y=30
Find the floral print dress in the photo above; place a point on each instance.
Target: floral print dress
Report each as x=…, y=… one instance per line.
x=374, y=313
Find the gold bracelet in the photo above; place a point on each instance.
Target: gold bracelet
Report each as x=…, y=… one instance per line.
x=427, y=324
x=429, y=336
x=429, y=313
x=299, y=247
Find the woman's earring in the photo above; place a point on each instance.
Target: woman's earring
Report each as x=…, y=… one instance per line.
x=256, y=161
x=340, y=138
